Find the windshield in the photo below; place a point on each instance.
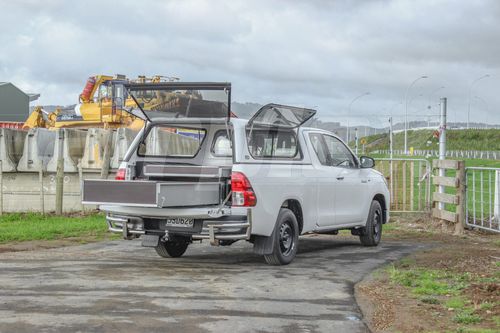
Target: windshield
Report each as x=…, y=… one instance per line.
x=181, y=100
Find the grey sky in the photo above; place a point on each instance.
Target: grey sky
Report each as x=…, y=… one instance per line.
x=312, y=53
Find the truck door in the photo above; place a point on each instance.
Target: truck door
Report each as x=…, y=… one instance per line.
x=326, y=179
x=350, y=189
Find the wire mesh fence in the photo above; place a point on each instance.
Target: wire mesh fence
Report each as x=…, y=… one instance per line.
x=483, y=192
x=409, y=183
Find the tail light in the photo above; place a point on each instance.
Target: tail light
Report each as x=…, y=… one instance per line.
x=120, y=174
x=243, y=194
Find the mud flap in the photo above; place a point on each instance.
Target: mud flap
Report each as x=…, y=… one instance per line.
x=150, y=240
x=264, y=244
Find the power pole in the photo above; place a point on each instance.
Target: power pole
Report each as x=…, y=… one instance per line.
x=442, y=144
x=356, y=140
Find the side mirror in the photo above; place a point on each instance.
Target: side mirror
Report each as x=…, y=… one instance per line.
x=367, y=162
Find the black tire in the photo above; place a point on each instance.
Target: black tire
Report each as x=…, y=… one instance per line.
x=286, y=239
x=372, y=233
x=173, y=249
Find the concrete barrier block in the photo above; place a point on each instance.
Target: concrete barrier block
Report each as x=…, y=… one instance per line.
x=11, y=148
x=70, y=144
x=162, y=142
x=122, y=139
x=38, y=149
x=93, y=149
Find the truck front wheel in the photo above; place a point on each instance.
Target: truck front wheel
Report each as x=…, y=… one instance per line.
x=372, y=233
x=286, y=237
x=172, y=249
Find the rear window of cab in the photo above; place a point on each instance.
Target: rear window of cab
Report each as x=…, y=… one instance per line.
x=273, y=144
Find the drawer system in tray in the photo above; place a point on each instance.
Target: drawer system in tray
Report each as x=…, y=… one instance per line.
x=150, y=193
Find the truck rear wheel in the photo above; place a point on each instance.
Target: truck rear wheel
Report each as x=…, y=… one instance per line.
x=286, y=237
x=372, y=233
x=173, y=249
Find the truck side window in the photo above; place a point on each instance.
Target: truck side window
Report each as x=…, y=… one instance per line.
x=273, y=144
x=221, y=146
x=319, y=148
x=338, y=153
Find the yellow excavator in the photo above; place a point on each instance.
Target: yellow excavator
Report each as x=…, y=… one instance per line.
x=96, y=107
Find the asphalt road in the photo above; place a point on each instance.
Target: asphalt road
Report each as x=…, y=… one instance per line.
x=118, y=286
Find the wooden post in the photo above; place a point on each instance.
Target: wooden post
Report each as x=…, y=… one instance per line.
x=461, y=194
x=60, y=175
x=404, y=186
x=395, y=193
x=1, y=188
x=42, y=199
x=108, y=140
x=419, y=184
x=80, y=178
x=412, y=184
x=391, y=183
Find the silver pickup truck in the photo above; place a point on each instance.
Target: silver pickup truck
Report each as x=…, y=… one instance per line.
x=196, y=172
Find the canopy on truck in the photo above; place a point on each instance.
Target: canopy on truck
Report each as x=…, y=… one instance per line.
x=180, y=100
x=281, y=116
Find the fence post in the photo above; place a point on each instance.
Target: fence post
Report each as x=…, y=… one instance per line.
x=404, y=185
x=1, y=188
x=80, y=179
x=496, y=199
x=412, y=184
x=42, y=199
x=107, y=153
x=60, y=174
x=442, y=144
x=462, y=198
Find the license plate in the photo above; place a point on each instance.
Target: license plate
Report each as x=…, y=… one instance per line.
x=179, y=222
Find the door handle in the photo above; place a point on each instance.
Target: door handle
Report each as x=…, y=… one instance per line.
x=364, y=181
x=340, y=178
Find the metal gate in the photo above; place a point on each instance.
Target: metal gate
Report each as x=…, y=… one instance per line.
x=409, y=183
x=483, y=198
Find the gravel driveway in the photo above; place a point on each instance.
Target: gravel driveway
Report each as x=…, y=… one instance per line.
x=119, y=286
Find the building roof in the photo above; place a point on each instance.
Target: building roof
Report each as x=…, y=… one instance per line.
x=32, y=96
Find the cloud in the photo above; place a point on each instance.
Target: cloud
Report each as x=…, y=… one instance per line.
x=316, y=53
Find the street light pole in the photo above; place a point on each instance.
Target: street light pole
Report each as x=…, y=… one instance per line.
x=470, y=92
x=406, y=110
x=349, y=112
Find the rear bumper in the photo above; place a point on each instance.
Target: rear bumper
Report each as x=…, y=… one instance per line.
x=214, y=228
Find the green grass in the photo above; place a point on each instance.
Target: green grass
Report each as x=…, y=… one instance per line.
x=455, y=303
x=445, y=288
x=429, y=282
x=487, y=306
x=474, y=330
x=482, y=139
x=467, y=316
x=32, y=226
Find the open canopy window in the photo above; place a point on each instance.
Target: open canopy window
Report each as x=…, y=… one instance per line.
x=180, y=100
x=283, y=116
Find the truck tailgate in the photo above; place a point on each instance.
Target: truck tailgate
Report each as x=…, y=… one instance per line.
x=150, y=193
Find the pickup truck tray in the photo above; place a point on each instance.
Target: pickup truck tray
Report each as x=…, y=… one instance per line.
x=150, y=193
